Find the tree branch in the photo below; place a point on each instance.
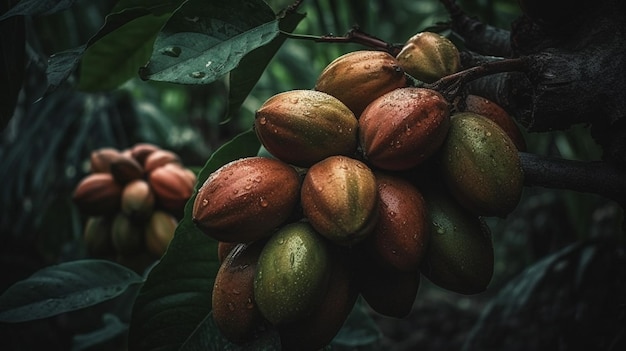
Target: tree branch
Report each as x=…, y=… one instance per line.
x=595, y=177
x=354, y=35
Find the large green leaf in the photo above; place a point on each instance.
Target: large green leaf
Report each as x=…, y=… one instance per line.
x=116, y=57
x=245, y=76
x=63, y=288
x=37, y=7
x=203, y=40
x=176, y=297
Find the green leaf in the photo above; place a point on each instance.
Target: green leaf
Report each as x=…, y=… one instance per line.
x=37, y=7
x=116, y=57
x=12, y=63
x=63, y=288
x=245, y=76
x=208, y=338
x=176, y=297
x=203, y=40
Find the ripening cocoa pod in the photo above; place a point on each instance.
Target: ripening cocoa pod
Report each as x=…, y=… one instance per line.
x=359, y=77
x=159, y=231
x=292, y=274
x=128, y=235
x=302, y=127
x=402, y=231
x=98, y=194
x=138, y=199
x=235, y=312
x=428, y=56
x=246, y=199
x=140, y=151
x=173, y=186
x=339, y=197
x=460, y=255
x=97, y=237
x=317, y=330
x=100, y=159
x=386, y=290
x=159, y=158
x=481, y=166
x=223, y=249
x=126, y=169
x=402, y=128
x=487, y=108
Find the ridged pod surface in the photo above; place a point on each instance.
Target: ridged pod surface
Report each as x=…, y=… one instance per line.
x=460, y=255
x=302, y=127
x=292, y=274
x=246, y=199
x=487, y=108
x=428, y=56
x=402, y=128
x=481, y=166
x=98, y=194
x=359, y=77
x=339, y=197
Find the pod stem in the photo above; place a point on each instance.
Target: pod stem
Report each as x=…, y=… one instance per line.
x=597, y=177
x=354, y=35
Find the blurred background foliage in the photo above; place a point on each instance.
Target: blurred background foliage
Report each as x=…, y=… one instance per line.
x=45, y=147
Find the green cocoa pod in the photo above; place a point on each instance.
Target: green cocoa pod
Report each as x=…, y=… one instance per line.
x=127, y=235
x=339, y=197
x=428, y=56
x=292, y=274
x=481, y=166
x=234, y=308
x=97, y=237
x=460, y=255
x=359, y=77
x=302, y=127
x=403, y=128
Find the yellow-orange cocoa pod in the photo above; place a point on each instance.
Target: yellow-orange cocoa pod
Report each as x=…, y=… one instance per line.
x=98, y=194
x=359, y=77
x=138, y=199
x=160, y=158
x=172, y=186
x=428, y=56
x=159, y=232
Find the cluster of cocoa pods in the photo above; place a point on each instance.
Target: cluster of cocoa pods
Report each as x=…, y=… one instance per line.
x=362, y=185
x=134, y=199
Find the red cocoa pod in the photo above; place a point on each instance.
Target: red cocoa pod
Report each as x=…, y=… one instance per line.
x=98, y=194
x=223, y=249
x=235, y=312
x=126, y=169
x=318, y=329
x=401, y=234
x=302, y=127
x=339, y=198
x=487, y=108
x=138, y=199
x=402, y=128
x=100, y=159
x=160, y=158
x=359, y=77
x=172, y=186
x=246, y=199
x=97, y=237
x=159, y=231
x=428, y=56
x=140, y=151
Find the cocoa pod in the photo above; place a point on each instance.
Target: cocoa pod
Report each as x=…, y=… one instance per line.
x=98, y=194
x=172, y=186
x=159, y=231
x=339, y=197
x=359, y=77
x=141, y=151
x=137, y=199
x=402, y=231
x=481, y=166
x=402, y=128
x=159, y=158
x=126, y=169
x=235, y=312
x=100, y=159
x=246, y=199
x=223, y=249
x=302, y=127
x=428, y=56
x=460, y=254
x=127, y=235
x=97, y=237
x=487, y=108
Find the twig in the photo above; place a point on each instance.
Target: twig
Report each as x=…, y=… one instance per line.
x=355, y=35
